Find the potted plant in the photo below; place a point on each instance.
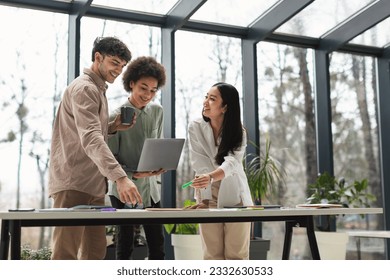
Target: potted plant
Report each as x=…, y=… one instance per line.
x=328, y=189
x=185, y=239
x=40, y=254
x=264, y=174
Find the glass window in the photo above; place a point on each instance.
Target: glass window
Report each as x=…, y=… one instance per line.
x=354, y=119
x=354, y=122
x=355, y=134
x=286, y=100
x=219, y=59
x=141, y=40
x=33, y=76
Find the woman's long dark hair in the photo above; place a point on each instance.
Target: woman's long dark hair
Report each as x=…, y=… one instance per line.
x=231, y=134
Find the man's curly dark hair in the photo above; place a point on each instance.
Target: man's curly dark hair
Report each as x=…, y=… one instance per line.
x=144, y=66
x=111, y=46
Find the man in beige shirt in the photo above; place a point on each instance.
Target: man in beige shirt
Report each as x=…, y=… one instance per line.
x=80, y=159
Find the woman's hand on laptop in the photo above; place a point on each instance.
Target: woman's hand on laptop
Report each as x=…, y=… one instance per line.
x=138, y=175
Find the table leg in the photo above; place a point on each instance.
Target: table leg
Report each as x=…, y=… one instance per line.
x=312, y=238
x=287, y=240
x=304, y=222
x=358, y=248
x=15, y=230
x=4, y=244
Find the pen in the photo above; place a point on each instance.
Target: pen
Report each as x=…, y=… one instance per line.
x=186, y=185
x=108, y=209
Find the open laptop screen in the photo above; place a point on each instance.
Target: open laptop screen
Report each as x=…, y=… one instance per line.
x=160, y=153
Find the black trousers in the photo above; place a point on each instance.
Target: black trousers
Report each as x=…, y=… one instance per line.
x=124, y=236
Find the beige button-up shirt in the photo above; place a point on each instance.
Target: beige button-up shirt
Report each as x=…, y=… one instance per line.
x=80, y=158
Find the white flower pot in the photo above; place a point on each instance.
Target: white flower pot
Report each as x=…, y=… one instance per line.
x=187, y=246
x=332, y=245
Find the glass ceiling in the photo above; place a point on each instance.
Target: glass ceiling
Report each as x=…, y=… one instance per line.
x=315, y=20
x=148, y=6
x=321, y=16
x=227, y=11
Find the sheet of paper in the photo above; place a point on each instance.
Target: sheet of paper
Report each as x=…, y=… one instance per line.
x=319, y=205
x=55, y=210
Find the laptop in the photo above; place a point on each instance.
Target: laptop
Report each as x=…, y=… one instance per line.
x=160, y=153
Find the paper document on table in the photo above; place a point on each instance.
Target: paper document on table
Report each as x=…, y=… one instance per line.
x=254, y=207
x=164, y=209
x=92, y=208
x=55, y=210
x=319, y=205
x=177, y=209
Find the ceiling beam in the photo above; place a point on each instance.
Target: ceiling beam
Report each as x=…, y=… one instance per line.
x=359, y=22
x=361, y=50
x=215, y=28
x=274, y=17
x=293, y=40
x=43, y=5
x=181, y=12
x=386, y=52
x=79, y=7
x=116, y=14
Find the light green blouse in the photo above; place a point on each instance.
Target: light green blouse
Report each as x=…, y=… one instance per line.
x=127, y=146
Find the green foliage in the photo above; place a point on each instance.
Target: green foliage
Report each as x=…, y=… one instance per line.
x=110, y=230
x=264, y=173
x=330, y=190
x=183, y=228
x=29, y=254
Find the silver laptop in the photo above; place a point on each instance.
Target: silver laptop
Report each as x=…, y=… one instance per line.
x=160, y=153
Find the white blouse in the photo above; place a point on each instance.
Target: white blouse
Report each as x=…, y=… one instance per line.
x=234, y=187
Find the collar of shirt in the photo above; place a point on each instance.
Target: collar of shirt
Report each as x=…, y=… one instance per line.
x=146, y=110
x=98, y=81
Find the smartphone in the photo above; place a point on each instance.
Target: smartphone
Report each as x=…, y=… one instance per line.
x=21, y=209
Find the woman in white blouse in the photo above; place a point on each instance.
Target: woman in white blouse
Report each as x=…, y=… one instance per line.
x=217, y=147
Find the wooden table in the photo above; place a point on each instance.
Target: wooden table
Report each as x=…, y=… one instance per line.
x=12, y=222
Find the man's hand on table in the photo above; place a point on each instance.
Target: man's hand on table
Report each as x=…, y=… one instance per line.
x=128, y=192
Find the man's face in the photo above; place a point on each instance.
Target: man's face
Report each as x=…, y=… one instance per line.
x=109, y=67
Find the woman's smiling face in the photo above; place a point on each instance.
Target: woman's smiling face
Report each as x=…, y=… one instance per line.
x=213, y=104
x=143, y=91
